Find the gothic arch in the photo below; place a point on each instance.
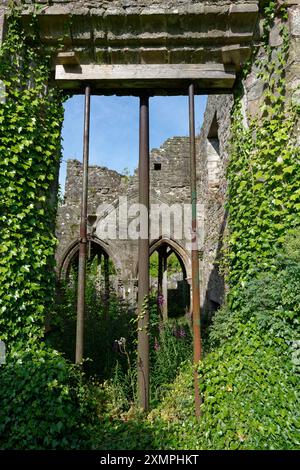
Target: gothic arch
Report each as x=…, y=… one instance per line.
x=179, y=251
x=72, y=250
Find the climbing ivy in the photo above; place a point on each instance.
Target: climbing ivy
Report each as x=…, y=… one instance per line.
x=263, y=171
x=30, y=149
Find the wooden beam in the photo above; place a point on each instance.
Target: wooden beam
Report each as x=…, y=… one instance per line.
x=96, y=72
x=161, y=78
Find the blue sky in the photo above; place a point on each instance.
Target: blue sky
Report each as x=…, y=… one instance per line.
x=115, y=128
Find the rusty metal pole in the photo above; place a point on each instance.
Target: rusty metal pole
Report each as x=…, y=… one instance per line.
x=165, y=284
x=143, y=261
x=106, y=286
x=195, y=252
x=83, y=232
x=160, y=283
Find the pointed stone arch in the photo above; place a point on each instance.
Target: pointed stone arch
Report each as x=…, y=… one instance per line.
x=179, y=250
x=72, y=250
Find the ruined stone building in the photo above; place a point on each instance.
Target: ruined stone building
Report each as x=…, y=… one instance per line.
x=170, y=188
x=125, y=47
x=210, y=33
x=170, y=192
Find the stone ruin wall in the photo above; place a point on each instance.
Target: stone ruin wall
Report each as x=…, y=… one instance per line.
x=171, y=183
x=101, y=30
x=168, y=185
x=215, y=138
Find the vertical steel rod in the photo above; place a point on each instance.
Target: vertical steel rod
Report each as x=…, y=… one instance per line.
x=83, y=232
x=160, y=283
x=106, y=286
x=195, y=253
x=165, y=283
x=143, y=261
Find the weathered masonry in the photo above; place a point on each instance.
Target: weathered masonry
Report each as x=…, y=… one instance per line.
x=122, y=46
x=169, y=186
x=147, y=48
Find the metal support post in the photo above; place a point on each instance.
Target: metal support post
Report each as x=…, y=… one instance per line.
x=83, y=232
x=195, y=253
x=143, y=261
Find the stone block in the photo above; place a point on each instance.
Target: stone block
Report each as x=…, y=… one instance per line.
x=154, y=56
x=275, y=38
x=235, y=55
x=294, y=55
x=81, y=29
x=2, y=352
x=122, y=56
x=296, y=97
x=293, y=79
x=54, y=28
x=67, y=58
x=58, y=10
x=181, y=56
x=256, y=90
x=294, y=21
x=242, y=17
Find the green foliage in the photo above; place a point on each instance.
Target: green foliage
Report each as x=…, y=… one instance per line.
x=30, y=150
x=126, y=432
x=45, y=402
x=250, y=377
x=170, y=346
x=173, y=265
x=263, y=171
x=273, y=297
x=106, y=321
x=250, y=399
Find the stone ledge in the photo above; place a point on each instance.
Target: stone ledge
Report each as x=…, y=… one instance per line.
x=149, y=31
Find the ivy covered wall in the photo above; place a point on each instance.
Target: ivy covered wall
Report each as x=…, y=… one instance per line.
x=257, y=200
x=264, y=167
x=261, y=160
x=31, y=116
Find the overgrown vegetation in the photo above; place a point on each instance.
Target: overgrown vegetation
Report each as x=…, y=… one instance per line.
x=264, y=167
x=45, y=402
x=111, y=338
x=249, y=383
x=249, y=376
x=30, y=126
x=250, y=372
x=107, y=320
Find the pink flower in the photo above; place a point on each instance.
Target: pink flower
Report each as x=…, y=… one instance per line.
x=160, y=300
x=156, y=344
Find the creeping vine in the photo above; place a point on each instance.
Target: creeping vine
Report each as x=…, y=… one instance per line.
x=30, y=149
x=263, y=171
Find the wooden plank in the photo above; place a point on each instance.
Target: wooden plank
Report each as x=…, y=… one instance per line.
x=142, y=72
x=168, y=79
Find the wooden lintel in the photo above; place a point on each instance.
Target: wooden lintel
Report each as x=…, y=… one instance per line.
x=162, y=77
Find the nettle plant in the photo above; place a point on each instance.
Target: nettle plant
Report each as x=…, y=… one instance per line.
x=263, y=171
x=30, y=150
